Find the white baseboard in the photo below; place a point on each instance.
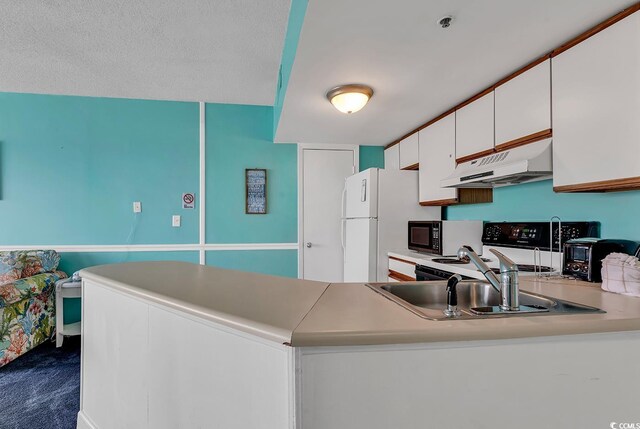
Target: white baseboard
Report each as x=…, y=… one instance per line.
x=84, y=422
x=155, y=247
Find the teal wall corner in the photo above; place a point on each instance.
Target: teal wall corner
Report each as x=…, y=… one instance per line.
x=371, y=157
x=616, y=211
x=71, y=262
x=71, y=167
x=240, y=137
x=275, y=262
x=294, y=28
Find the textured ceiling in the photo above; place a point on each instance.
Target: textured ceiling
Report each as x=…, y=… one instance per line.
x=417, y=69
x=224, y=51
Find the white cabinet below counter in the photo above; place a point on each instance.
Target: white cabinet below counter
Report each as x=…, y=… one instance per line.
x=401, y=270
x=596, y=111
x=392, y=157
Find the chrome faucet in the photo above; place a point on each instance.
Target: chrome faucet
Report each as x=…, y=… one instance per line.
x=507, y=284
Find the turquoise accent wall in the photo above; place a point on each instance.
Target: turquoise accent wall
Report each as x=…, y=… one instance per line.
x=617, y=211
x=371, y=157
x=240, y=137
x=275, y=262
x=71, y=167
x=294, y=28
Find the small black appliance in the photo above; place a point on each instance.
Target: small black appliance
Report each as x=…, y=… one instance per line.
x=583, y=256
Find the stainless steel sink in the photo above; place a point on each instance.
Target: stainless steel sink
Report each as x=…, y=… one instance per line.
x=476, y=299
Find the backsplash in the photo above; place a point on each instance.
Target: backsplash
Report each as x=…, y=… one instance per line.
x=617, y=212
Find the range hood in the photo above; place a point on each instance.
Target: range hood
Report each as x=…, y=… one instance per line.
x=522, y=164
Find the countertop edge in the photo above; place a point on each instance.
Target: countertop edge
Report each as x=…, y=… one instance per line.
x=262, y=330
x=332, y=339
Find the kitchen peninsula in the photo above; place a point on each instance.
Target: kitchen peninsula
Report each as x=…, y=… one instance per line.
x=172, y=344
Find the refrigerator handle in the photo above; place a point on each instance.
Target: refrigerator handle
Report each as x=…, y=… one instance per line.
x=344, y=191
x=363, y=191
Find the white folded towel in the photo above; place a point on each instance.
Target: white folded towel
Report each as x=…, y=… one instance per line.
x=621, y=274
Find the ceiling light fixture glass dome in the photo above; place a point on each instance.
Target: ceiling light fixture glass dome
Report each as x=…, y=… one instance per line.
x=350, y=98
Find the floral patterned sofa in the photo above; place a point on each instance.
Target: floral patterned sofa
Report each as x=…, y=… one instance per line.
x=27, y=294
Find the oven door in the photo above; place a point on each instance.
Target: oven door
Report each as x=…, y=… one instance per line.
x=425, y=236
x=424, y=273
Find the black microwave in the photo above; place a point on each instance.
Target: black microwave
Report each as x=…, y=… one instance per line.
x=444, y=237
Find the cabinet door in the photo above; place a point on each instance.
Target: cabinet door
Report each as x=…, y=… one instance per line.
x=475, y=127
x=392, y=158
x=523, y=105
x=409, y=152
x=437, y=161
x=596, y=110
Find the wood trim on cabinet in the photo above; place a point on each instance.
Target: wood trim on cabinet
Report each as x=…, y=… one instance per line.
x=393, y=144
x=518, y=72
x=401, y=260
x=401, y=277
x=596, y=29
x=439, y=202
x=422, y=127
x=474, y=156
x=569, y=44
x=628, y=184
x=465, y=196
x=531, y=138
x=415, y=166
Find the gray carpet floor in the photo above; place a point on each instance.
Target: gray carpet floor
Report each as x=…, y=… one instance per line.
x=41, y=389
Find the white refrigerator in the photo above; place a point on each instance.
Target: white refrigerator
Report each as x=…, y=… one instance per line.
x=376, y=206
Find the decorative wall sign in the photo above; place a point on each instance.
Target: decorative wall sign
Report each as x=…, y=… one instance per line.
x=256, y=193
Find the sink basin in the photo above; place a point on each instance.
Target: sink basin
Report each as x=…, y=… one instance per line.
x=476, y=299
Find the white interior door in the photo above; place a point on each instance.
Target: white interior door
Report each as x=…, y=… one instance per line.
x=323, y=176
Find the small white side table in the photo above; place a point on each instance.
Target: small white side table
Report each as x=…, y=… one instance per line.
x=66, y=288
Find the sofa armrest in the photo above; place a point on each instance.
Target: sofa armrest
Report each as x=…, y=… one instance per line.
x=11, y=293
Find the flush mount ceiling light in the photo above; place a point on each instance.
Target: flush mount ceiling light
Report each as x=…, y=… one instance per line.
x=350, y=98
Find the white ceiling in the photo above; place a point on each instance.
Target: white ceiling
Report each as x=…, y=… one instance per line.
x=224, y=51
x=417, y=69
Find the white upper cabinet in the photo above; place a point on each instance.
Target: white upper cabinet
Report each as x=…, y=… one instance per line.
x=409, y=152
x=437, y=161
x=596, y=111
x=392, y=158
x=523, y=104
x=475, y=127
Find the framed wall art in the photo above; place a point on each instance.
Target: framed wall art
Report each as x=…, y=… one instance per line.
x=256, y=190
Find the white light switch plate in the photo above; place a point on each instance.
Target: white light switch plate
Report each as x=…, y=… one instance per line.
x=137, y=207
x=175, y=221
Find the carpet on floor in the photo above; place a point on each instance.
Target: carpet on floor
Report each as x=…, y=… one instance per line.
x=41, y=389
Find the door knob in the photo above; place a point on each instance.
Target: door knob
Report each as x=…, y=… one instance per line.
x=308, y=244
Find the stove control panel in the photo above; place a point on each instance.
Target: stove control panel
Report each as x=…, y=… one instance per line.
x=529, y=235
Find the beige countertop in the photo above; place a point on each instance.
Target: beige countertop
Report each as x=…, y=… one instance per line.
x=306, y=313
x=268, y=306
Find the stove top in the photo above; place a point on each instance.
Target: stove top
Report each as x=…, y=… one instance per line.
x=456, y=261
x=526, y=268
